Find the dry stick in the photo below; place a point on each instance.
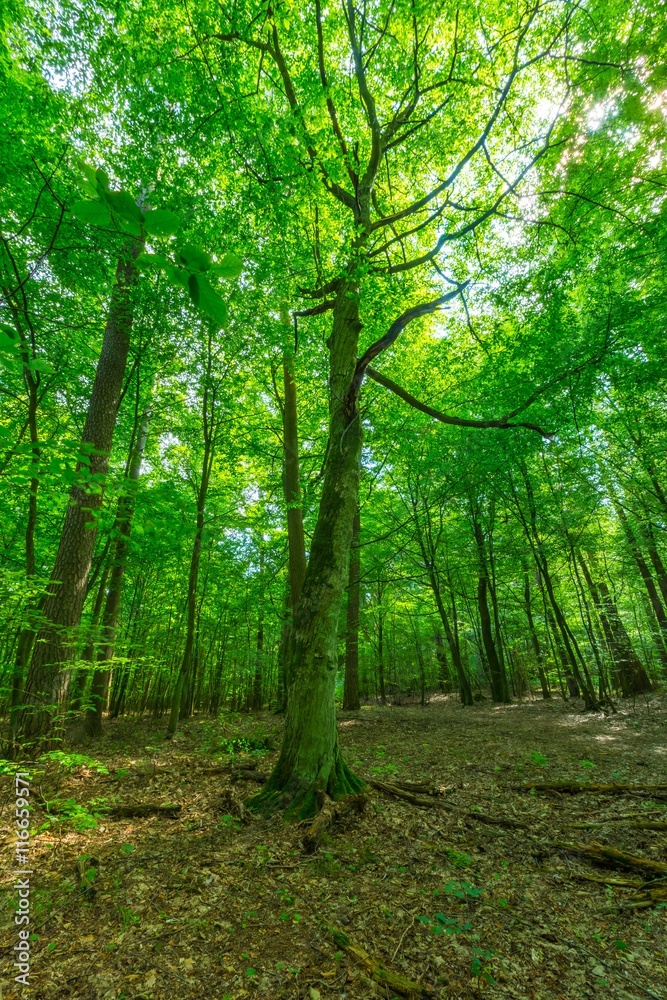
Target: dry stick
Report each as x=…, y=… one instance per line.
x=439, y=804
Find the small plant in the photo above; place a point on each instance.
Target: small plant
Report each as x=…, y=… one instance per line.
x=480, y=967
x=69, y=761
x=459, y=859
x=461, y=890
x=70, y=811
x=128, y=918
x=439, y=923
x=538, y=759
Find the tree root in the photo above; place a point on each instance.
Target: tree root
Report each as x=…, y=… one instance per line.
x=435, y=803
x=575, y=787
x=231, y=768
x=329, y=813
x=394, y=981
x=233, y=805
x=610, y=855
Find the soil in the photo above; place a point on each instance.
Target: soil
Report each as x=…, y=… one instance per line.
x=210, y=905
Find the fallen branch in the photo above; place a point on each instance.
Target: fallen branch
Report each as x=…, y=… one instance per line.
x=394, y=981
x=576, y=787
x=141, y=809
x=434, y=803
x=637, y=824
x=610, y=855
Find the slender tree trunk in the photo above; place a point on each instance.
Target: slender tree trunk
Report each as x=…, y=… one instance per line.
x=122, y=527
x=443, y=668
x=259, y=649
x=629, y=671
x=351, y=688
x=660, y=633
x=293, y=502
x=497, y=673
x=381, y=676
x=537, y=649
x=310, y=762
x=47, y=682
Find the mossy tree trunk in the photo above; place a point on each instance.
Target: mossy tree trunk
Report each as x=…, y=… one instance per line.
x=351, y=688
x=310, y=761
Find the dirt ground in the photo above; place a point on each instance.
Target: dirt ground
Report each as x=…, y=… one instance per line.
x=207, y=906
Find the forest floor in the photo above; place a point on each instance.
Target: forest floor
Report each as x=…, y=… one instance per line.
x=208, y=906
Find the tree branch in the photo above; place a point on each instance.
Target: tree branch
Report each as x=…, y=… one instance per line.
x=444, y=418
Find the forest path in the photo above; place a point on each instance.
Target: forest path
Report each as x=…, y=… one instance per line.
x=208, y=906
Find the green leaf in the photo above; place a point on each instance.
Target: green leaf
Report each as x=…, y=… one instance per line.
x=128, y=225
x=212, y=304
x=124, y=205
x=177, y=276
x=102, y=179
x=229, y=267
x=194, y=258
x=193, y=288
x=152, y=260
x=161, y=222
x=92, y=212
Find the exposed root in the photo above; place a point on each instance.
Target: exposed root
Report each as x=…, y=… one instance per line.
x=233, y=805
x=434, y=803
x=576, y=787
x=330, y=812
x=320, y=825
x=610, y=855
x=392, y=980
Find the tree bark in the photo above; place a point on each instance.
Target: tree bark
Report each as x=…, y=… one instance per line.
x=351, y=689
x=122, y=527
x=310, y=761
x=47, y=681
x=537, y=649
x=497, y=673
x=180, y=687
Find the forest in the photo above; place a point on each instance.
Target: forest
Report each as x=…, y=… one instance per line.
x=333, y=499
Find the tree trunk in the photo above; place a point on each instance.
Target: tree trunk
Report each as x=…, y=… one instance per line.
x=381, y=677
x=660, y=633
x=537, y=649
x=122, y=527
x=310, y=762
x=443, y=669
x=47, y=681
x=293, y=501
x=351, y=688
x=497, y=673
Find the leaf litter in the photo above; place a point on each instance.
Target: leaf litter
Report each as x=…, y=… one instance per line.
x=207, y=900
